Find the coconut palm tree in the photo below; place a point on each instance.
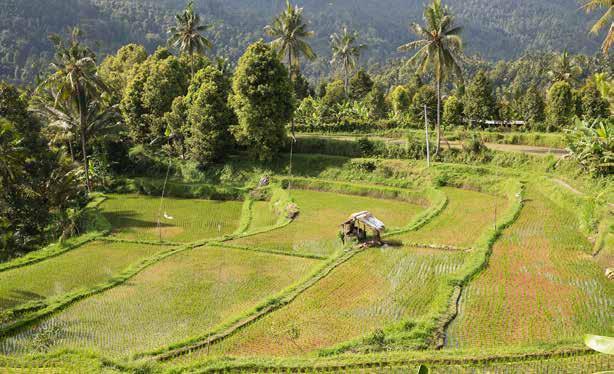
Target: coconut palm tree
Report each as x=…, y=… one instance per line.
x=564, y=68
x=608, y=17
x=346, y=54
x=439, y=47
x=289, y=31
x=76, y=84
x=187, y=34
x=11, y=153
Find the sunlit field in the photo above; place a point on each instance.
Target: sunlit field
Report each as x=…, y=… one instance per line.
x=135, y=217
x=181, y=297
x=321, y=214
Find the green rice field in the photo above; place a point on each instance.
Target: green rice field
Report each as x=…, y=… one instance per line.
x=79, y=268
x=135, y=217
x=178, y=298
x=321, y=214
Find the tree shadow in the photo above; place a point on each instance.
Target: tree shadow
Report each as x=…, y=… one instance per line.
x=126, y=219
x=17, y=297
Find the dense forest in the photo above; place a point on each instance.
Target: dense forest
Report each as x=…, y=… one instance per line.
x=495, y=29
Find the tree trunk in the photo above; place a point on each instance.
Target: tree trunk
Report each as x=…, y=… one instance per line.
x=438, y=116
x=192, y=65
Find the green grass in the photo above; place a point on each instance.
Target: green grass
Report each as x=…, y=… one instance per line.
x=262, y=215
x=83, y=267
x=321, y=214
x=374, y=288
x=541, y=285
x=183, y=296
x=134, y=217
x=462, y=222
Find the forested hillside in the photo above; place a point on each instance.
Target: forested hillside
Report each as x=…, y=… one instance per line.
x=495, y=29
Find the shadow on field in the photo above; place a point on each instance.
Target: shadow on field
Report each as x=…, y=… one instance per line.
x=125, y=219
x=19, y=297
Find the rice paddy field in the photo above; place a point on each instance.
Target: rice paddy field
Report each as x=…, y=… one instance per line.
x=541, y=286
x=178, y=298
x=463, y=220
x=315, y=230
x=135, y=217
x=372, y=289
x=83, y=267
x=541, y=289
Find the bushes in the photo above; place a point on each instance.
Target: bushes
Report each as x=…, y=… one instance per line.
x=153, y=187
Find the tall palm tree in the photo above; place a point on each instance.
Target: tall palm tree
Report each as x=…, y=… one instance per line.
x=76, y=83
x=564, y=68
x=289, y=31
x=346, y=54
x=603, y=21
x=187, y=34
x=440, y=47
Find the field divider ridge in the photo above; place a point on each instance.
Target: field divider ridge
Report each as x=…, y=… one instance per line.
x=270, y=305
x=98, y=228
x=142, y=242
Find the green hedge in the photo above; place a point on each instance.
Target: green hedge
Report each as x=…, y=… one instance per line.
x=154, y=186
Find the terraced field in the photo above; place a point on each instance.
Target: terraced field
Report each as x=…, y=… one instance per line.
x=178, y=298
x=135, y=217
x=374, y=288
x=315, y=230
x=463, y=220
x=79, y=268
x=541, y=285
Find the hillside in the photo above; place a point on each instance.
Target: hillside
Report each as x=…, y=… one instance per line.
x=494, y=29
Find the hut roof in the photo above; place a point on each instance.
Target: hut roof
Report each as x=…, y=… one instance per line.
x=368, y=219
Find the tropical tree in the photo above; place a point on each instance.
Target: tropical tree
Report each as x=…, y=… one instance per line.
x=75, y=82
x=346, y=53
x=11, y=153
x=603, y=21
x=262, y=98
x=289, y=31
x=564, y=68
x=591, y=144
x=440, y=47
x=187, y=34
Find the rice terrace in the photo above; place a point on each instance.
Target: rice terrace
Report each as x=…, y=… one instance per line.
x=306, y=186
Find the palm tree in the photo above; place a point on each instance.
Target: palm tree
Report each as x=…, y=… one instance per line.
x=603, y=21
x=11, y=154
x=64, y=121
x=187, y=34
x=346, y=54
x=76, y=84
x=440, y=47
x=289, y=31
x=564, y=68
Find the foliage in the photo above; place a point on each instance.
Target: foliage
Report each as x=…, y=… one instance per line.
x=594, y=106
x=602, y=22
x=263, y=101
x=479, y=101
x=532, y=107
x=400, y=101
x=592, y=145
x=335, y=93
x=209, y=116
x=375, y=102
x=361, y=85
x=424, y=96
x=560, y=106
x=453, y=112
x=117, y=70
x=150, y=94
